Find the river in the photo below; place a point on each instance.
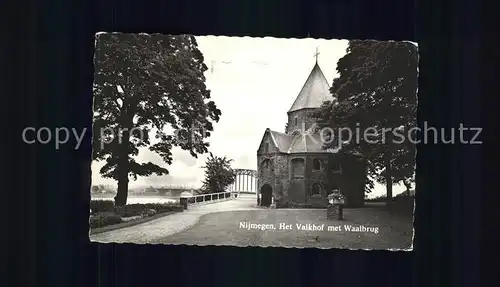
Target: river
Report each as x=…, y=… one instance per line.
x=131, y=199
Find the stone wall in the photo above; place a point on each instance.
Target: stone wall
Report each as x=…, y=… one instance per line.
x=350, y=180
x=281, y=176
x=276, y=174
x=319, y=177
x=303, y=116
x=298, y=189
x=272, y=149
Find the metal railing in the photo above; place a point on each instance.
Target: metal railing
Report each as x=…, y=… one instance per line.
x=212, y=197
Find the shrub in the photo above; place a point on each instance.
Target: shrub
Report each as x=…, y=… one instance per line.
x=141, y=209
x=100, y=205
x=104, y=219
x=130, y=210
x=150, y=212
x=282, y=204
x=163, y=207
x=104, y=212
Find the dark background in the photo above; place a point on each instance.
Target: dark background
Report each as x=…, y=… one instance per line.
x=52, y=76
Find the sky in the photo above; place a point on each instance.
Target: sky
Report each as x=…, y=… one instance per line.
x=254, y=82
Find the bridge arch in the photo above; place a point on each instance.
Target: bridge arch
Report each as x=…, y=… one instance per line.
x=245, y=181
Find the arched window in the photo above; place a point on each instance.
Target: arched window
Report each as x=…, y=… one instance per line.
x=317, y=164
x=297, y=165
x=315, y=189
x=295, y=121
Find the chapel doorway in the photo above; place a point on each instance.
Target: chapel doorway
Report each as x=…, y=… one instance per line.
x=266, y=195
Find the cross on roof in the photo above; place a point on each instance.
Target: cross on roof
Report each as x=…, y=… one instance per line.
x=316, y=54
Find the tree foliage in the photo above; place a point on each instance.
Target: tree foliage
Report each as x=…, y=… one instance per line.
x=146, y=82
x=376, y=90
x=218, y=174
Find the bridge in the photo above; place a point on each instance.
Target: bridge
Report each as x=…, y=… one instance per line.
x=246, y=181
x=244, y=186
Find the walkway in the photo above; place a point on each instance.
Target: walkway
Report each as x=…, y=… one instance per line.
x=171, y=224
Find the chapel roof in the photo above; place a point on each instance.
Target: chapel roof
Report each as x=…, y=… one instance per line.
x=299, y=143
x=315, y=91
x=281, y=140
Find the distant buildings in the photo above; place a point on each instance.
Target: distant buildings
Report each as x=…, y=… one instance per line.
x=171, y=191
x=101, y=188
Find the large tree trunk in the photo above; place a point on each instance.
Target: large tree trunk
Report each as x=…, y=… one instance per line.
x=122, y=170
x=407, y=185
x=388, y=181
x=123, y=167
x=122, y=192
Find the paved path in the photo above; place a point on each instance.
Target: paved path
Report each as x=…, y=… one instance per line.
x=171, y=224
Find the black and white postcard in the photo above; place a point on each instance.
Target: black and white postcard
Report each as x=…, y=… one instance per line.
x=265, y=142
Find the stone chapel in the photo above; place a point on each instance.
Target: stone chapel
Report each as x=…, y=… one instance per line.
x=293, y=168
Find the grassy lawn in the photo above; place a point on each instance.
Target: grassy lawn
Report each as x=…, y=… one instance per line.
x=395, y=230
